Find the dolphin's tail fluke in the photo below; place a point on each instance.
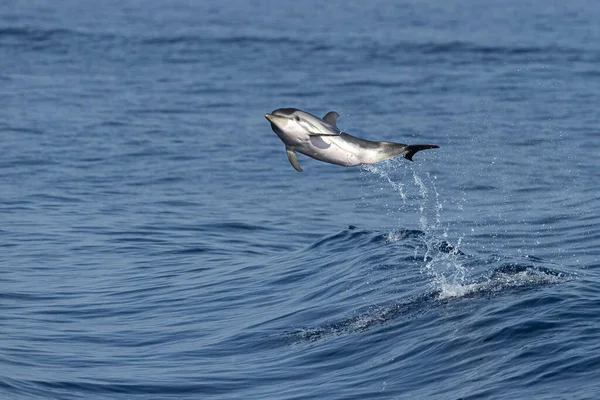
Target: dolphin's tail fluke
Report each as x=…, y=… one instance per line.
x=391, y=149
x=410, y=150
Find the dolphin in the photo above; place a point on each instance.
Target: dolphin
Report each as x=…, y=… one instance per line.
x=321, y=139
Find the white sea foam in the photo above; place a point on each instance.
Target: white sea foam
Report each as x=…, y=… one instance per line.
x=499, y=282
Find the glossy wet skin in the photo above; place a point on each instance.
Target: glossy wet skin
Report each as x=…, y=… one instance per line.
x=299, y=131
x=293, y=125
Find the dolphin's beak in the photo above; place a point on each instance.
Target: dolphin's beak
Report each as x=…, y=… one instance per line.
x=273, y=118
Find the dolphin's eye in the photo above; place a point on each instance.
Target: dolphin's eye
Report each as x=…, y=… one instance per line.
x=297, y=118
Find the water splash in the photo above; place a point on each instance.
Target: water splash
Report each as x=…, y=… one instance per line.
x=382, y=170
x=444, y=267
x=442, y=260
x=450, y=271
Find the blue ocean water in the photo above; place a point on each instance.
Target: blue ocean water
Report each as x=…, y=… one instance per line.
x=155, y=242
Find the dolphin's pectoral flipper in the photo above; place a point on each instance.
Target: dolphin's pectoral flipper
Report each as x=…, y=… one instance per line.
x=293, y=157
x=331, y=117
x=410, y=150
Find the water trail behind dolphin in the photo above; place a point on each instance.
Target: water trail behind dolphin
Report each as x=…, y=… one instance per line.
x=445, y=267
x=442, y=260
x=451, y=272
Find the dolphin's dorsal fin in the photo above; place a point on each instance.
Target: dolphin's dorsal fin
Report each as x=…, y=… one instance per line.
x=293, y=157
x=331, y=117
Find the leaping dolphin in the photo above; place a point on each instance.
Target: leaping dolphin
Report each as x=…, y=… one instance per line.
x=322, y=140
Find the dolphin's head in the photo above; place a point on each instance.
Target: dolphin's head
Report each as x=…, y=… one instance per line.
x=282, y=117
x=294, y=126
x=285, y=122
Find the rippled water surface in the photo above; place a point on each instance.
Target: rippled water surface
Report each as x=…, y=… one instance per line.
x=156, y=243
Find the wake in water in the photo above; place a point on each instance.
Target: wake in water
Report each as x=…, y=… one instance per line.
x=503, y=278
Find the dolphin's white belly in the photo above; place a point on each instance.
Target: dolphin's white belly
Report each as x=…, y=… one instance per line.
x=335, y=150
